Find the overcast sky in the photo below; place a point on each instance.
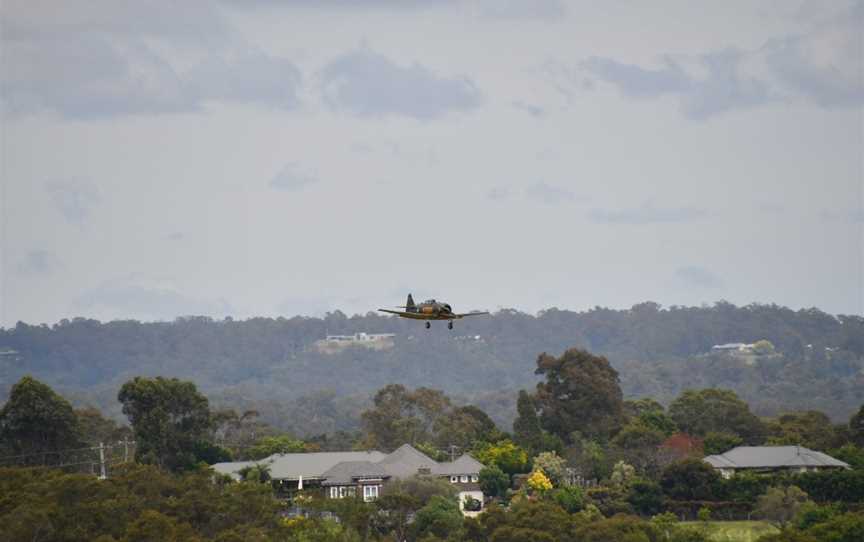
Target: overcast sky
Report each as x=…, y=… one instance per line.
x=294, y=157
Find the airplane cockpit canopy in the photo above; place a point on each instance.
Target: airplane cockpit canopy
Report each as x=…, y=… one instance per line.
x=430, y=301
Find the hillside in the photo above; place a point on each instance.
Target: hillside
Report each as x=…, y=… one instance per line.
x=272, y=365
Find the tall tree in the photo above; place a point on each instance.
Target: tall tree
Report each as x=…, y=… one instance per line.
x=527, y=431
x=700, y=412
x=581, y=395
x=36, y=419
x=170, y=419
x=856, y=427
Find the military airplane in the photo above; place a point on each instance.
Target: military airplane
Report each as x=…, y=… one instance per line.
x=430, y=310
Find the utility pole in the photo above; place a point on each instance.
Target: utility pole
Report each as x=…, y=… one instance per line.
x=452, y=449
x=125, y=449
x=102, y=474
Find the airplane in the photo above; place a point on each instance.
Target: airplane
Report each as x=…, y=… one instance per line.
x=430, y=310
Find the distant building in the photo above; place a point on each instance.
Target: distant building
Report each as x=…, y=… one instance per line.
x=769, y=459
x=737, y=348
x=348, y=474
x=375, y=341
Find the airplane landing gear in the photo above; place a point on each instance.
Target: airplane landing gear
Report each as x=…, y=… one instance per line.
x=428, y=325
x=449, y=325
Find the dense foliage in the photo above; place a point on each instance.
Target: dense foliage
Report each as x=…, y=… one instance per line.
x=271, y=365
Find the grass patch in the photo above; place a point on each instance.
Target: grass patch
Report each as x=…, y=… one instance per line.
x=734, y=531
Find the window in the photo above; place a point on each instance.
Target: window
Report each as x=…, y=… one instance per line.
x=464, y=478
x=351, y=491
x=454, y=479
x=474, y=478
x=341, y=491
x=370, y=493
x=334, y=492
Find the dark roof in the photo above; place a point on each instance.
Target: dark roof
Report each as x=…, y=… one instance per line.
x=344, y=467
x=464, y=465
x=406, y=461
x=348, y=471
x=308, y=465
x=752, y=457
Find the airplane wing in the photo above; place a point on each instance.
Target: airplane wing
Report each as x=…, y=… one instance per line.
x=400, y=313
x=471, y=314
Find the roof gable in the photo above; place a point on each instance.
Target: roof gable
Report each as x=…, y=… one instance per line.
x=744, y=457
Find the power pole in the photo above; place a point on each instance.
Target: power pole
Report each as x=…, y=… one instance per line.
x=452, y=449
x=102, y=474
x=125, y=449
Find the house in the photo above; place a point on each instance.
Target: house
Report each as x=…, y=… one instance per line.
x=743, y=348
x=346, y=474
x=332, y=344
x=768, y=459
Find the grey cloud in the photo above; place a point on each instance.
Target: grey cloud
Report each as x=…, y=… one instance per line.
x=254, y=78
x=699, y=277
x=368, y=84
x=531, y=109
x=291, y=178
x=823, y=66
x=103, y=79
x=838, y=215
x=722, y=89
x=548, y=193
x=98, y=63
x=344, y=4
x=137, y=297
x=75, y=200
x=638, y=82
x=522, y=9
x=498, y=194
x=646, y=214
x=39, y=263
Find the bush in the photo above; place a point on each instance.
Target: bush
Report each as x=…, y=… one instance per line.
x=646, y=497
x=833, y=486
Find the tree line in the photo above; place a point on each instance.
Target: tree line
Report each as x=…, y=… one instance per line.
x=582, y=463
x=270, y=365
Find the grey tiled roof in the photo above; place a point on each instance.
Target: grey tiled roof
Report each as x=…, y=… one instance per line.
x=343, y=467
x=464, y=465
x=753, y=457
x=407, y=461
x=348, y=471
x=308, y=465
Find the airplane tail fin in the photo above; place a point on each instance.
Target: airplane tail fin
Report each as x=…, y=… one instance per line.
x=409, y=304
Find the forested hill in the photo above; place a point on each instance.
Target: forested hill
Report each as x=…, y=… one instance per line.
x=272, y=365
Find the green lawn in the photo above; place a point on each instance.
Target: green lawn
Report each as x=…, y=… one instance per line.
x=735, y=531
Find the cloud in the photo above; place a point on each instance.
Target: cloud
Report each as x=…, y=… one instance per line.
x=646, y=214
x=253, y=78
x=822, y=66
x=111, y=60
x=521, y=9
x=723, y=86
x=548, y=193
x=699, y=277
x=370, y=85
x=400, y=5
x=148, y=299
x=75, y=200
x=531, y=109
x=855, y=216
x=498, y=194
x=291, y=179
x=39, y=263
